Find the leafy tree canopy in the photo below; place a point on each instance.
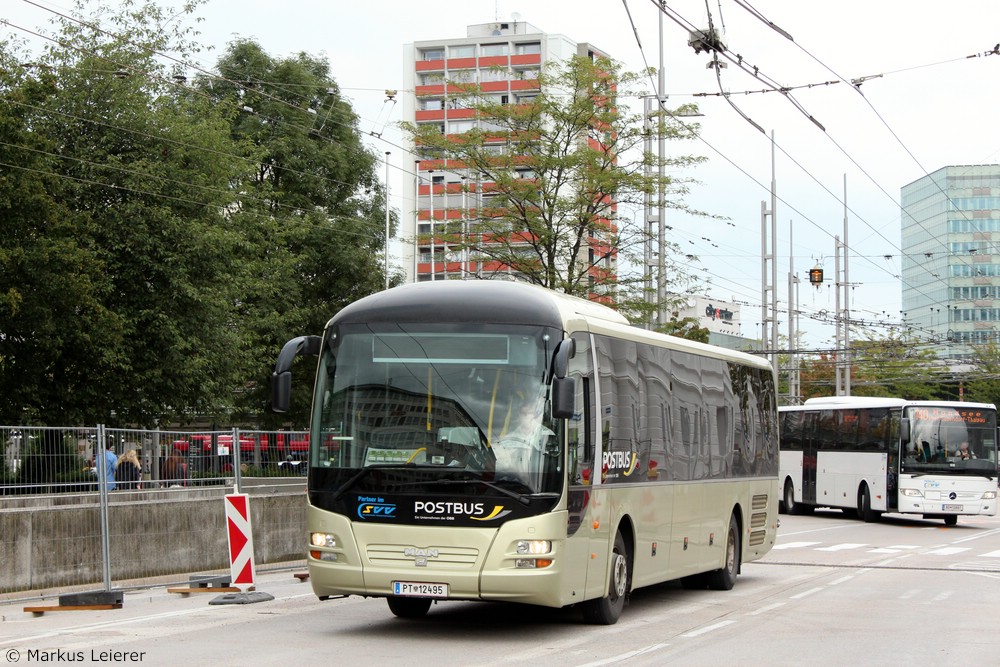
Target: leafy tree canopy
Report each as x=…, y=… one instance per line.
x=162, y=240
x=559, y=165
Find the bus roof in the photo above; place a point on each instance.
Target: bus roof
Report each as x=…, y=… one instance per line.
x=500, y=301
x=509, y=302
x=877, y=402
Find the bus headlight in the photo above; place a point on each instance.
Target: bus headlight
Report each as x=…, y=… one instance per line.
x=534, y=547
x=323, y=540
x=912, y=493
x=989, y=495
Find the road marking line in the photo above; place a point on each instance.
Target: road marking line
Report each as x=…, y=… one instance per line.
x=625, y=656
x=992, y=554
x=707, y=628
x=794, y=545
x=842, y=547
x=764, y=610
x=988, y=533
x=803, y=594
x=947, y=551
x=841, y=580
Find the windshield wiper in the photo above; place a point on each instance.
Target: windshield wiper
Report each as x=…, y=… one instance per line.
x=355, y=478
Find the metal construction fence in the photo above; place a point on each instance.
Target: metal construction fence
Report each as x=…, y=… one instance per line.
x=73, y=517
x=52, y=459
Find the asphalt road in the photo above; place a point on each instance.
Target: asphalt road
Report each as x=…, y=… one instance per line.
x=834, y=591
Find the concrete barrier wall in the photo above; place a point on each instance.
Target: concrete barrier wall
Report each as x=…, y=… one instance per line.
x=47, y=545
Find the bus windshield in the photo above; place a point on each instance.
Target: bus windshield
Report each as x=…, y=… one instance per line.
x=436, y=405
x=950, y=440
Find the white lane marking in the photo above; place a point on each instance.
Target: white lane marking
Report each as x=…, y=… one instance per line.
x=793, y=545
x=841, y=580
x=803, y=594
x=942, y=596
x=707, y=629
x=625, y=656
x=816, y=530
x=947, y=551
x=988, y=533
x=764, y=610
x=910, y=594
x=842, y=547
x=992, y=554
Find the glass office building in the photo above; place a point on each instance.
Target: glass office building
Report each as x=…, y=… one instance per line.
x=951, y=258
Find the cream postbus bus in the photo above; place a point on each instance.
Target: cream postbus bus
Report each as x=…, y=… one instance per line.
x=489, y=440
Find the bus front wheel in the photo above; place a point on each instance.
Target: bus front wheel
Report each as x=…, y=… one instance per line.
x=607, y=610
x=951, y=520
x=724, y=578
x=409, y=607
x=865, y=505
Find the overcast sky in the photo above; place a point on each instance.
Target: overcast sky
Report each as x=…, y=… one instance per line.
x=923, y=104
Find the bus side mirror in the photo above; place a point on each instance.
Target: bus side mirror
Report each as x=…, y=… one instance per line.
x=281, y=378
x=904, y=430
x=560, y=360
x=563, y=393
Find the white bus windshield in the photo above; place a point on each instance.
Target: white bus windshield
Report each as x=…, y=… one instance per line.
x=949, y=439
x=431, y=400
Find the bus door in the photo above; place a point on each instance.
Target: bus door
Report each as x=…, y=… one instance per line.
x=583, y=474
x=810, y=448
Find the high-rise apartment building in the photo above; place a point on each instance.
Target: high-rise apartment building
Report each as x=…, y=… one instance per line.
x=504, y=59
x=951, y=258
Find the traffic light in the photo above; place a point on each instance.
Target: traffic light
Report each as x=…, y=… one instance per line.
x=816, y=276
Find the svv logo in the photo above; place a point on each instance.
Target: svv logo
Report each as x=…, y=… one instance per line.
x=377, y=510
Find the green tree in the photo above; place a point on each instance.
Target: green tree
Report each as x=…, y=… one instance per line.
x=560, y=166
x=311, y=209
x=125, y=238
x=686, y=327
x=891, y=366
x=982, y=382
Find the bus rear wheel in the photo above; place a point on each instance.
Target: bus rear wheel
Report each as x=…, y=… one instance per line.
x=724, y=578
x=409, y=607
x=607, y=610
x=791, y=507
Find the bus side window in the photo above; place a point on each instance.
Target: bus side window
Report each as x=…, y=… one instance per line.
x=581, y=424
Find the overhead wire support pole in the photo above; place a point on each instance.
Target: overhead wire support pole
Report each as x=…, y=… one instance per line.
x=847, y=303
x=774, y=258
x=769, y=279
x=661, y=277
x=386, y=267
x=647, y=218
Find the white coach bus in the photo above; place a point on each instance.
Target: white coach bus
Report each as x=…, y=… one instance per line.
x=487, y=440
x=874, y=455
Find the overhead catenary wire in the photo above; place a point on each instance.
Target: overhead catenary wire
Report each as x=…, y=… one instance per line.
x=754, y=71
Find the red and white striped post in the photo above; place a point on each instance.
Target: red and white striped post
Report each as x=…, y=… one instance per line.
x=241, y=567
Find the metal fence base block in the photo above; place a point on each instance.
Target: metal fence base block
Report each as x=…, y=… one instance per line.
x=91, y=598
x=38, y=611
x=210, y=581
x=242, y=598
x=301, y=576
